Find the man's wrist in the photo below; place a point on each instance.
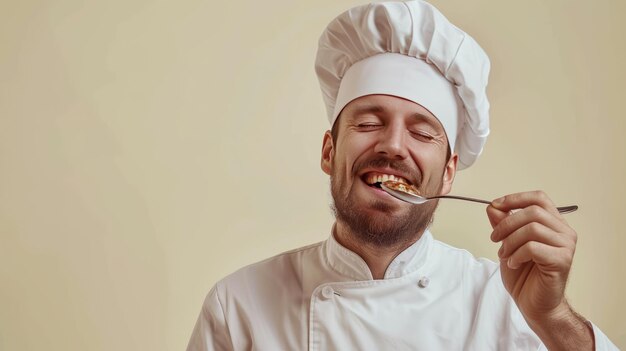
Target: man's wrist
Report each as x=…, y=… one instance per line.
x=564, y=329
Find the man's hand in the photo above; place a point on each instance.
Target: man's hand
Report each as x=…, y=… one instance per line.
x=536, y=253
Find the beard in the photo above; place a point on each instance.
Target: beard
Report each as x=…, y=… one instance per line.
x=388, y=227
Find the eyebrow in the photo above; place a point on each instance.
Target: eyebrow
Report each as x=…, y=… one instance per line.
x=379, y=109
x=368, y=109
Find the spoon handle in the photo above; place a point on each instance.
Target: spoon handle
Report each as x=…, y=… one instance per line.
x=562, y=210
x=460, y=198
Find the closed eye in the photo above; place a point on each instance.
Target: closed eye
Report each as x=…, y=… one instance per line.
x=423, y=135
x=368, y=126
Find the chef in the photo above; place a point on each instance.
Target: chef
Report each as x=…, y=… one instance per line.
x=405, y=96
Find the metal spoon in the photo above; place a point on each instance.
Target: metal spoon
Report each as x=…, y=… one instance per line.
x=416, y=199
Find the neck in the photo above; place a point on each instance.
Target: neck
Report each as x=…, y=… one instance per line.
x=376, y=257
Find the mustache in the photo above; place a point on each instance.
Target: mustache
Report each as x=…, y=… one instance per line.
x=413, y=176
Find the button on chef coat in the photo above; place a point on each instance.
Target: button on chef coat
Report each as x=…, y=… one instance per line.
x=322, y=297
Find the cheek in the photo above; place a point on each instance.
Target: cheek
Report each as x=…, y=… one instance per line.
x=346, y=165
x=341, y=165
x=350, y=153
x=430, y=162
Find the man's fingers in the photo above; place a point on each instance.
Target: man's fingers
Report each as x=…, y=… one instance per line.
x=495, y=216
x=521, y=218
x=525, y=199
x=532, y=232
x=550, y=257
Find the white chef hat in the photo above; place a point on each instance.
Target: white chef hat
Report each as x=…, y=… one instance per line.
x=410, y=50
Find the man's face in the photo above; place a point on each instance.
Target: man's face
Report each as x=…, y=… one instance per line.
x=381, y=136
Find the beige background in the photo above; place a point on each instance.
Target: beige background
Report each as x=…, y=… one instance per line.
x=148, y=148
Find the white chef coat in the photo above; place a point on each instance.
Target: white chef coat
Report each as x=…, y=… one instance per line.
x=323, y=297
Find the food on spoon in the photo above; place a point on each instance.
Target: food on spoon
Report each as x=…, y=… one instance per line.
x=406, y=188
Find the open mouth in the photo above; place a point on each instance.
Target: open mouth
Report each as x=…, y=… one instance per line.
x=374, y=180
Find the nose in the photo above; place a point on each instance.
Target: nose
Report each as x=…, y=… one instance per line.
x=392, y=143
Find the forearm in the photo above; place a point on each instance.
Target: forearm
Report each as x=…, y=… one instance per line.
x=565, y=330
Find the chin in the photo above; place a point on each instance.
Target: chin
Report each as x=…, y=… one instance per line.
x=386, y=208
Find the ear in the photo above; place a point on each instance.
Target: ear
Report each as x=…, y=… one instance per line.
x=328, y=151
x=448, y=174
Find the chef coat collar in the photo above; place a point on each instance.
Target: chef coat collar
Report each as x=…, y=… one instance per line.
x=353, y=266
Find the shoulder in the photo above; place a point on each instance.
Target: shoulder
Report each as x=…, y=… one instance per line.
x=282, y=261
x=286, y=266
x=461, y=255
x=480, y=279
x=463, y=264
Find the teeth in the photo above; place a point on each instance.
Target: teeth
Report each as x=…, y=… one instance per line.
x=380, y=178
